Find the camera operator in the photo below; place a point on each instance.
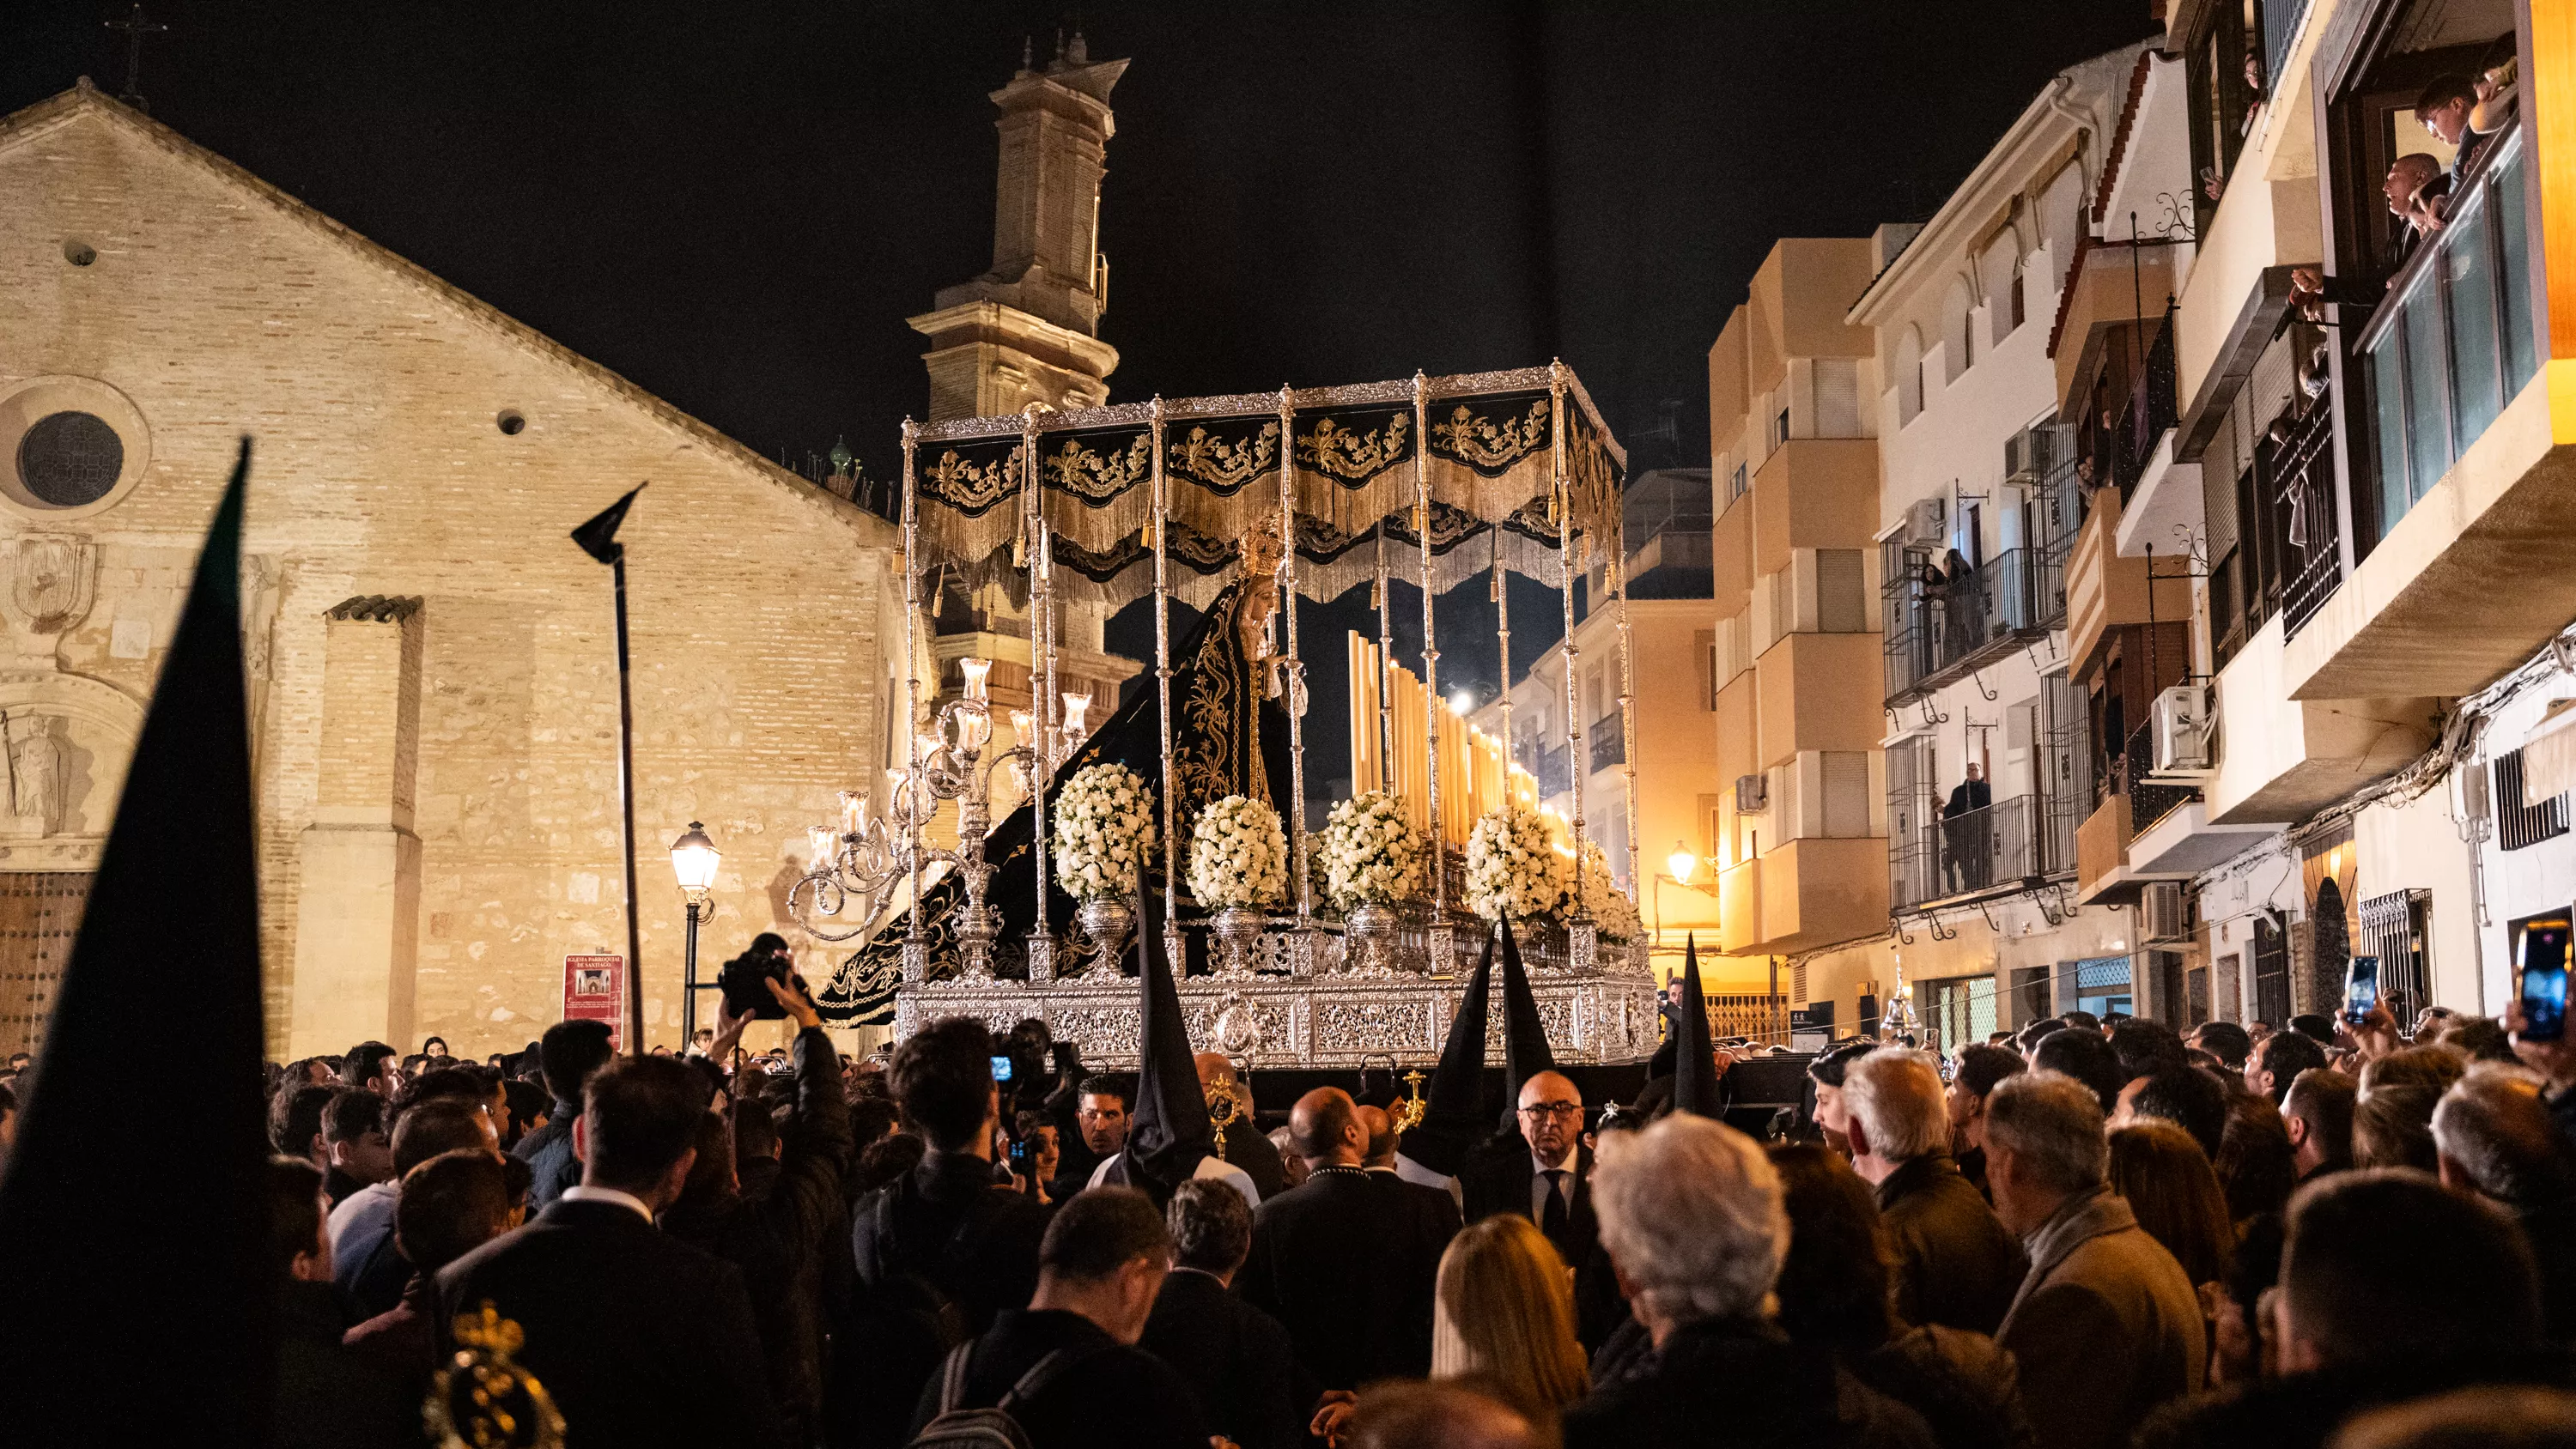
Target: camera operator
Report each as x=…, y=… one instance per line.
x=1036, y=1154
x=778, y=1239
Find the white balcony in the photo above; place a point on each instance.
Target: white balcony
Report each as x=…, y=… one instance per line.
x=2165, y=507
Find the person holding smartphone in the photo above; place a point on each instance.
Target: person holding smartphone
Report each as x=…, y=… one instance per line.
x=2537, y=1019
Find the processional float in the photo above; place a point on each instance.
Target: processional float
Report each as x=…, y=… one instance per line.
x=1190, y=500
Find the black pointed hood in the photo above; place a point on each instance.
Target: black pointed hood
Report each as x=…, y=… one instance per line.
x=598, y=534
x=1453, y=1112
x=1169, y=1133
x=1525, y=1050
x=98, y=1277
x=1694, y=1062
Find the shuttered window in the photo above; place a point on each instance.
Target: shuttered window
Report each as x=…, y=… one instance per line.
x=1842, y=604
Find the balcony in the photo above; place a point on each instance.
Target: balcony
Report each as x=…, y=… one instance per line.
x=1814, y=692
x=2111, y=287
x=2467, y=484
x=1813, y=493
x=2000, y=848
x=2135, y=803
x=1937, y=632
x=1550, y=772
x=1608, y=743
x=1803, y=894
x=2282, y=758
x=2105, y=591
x=2148, y=418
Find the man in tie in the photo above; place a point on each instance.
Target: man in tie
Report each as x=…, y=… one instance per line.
x=1551, y=1185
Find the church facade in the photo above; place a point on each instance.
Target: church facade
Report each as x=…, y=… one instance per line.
x=432, y=664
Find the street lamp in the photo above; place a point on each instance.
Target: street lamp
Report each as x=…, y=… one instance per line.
x=1682, y=863
x=694, y=859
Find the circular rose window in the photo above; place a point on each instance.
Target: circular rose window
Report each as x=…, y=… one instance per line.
x=70, y=459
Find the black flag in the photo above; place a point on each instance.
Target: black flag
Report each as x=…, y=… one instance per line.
x=1525, y=1051
x=130, y=1313
x=1694, y=1063
x=598, y=536
x=1170, y=1132
x=1453, y=1115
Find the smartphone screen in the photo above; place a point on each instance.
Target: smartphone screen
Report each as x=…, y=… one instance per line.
x=2360, y=988
x=1001, y=1069
x=2544, y=980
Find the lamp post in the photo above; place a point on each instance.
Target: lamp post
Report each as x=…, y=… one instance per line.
x=694, y=859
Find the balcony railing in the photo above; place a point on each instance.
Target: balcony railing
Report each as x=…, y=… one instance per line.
x=1609, y=745
x=2303, y=479
x=2454, y=341
x=1550, y=772
x=1964, y=854
x=2151, y=412
x=1938, y=631
x=2150, y=801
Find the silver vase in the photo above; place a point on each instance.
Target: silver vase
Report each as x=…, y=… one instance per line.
x=1368, y=930
x=1238, y=930
x=1106, y=920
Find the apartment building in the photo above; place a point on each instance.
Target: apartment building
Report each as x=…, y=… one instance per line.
x=1797, y=842
x=2354, y=743
x=1665, y=528
x=1985, y=735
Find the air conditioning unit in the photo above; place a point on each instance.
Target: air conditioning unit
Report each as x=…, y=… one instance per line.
x=1926, y=520
x=2186, y=731
x=1752, y=794
x=2161, y=916
x=2030, y=454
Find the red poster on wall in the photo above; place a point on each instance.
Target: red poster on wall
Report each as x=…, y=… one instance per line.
x=595, y=990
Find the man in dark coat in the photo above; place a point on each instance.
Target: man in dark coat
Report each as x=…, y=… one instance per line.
x=1692, y=1213
x=1965, y=832
x=940, y=1251
x=328, y=1396
x=1353, y=1289
x=778, y=1238
x=1245, y=1147
x=1069, y=1360
x=641, y=1339
x=1956, y=1263
x=570, y=1052
x=1545, y=1175
x=1236, y=1357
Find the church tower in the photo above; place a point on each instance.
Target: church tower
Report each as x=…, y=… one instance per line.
x=1028, y=329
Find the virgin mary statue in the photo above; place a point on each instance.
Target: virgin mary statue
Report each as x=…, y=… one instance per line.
x=1229, y=737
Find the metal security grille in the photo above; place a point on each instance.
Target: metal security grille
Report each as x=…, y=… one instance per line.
x=2271, y=974
x=1755, y=1016
x=2517, y=824
x=2397, y=928
x=1957, y=1012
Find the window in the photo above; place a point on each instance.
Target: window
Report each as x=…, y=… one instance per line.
x=70, y=459
x=1837, y=398
x=1842, y=604
x=1909, y=376
x=1780, y=427
x=2398, y=927
x=2517, y=824
x=1846, y=782
x=1957, y=353
x=1736, y=483
x=1706, y=640
x=2271, y=974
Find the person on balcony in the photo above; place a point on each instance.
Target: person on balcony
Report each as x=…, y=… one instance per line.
x=1965, y=831
x=2444, y=110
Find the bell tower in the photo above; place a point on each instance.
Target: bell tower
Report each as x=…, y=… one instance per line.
x=1028, y=329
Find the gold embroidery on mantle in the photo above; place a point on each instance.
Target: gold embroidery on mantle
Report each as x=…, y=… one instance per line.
x=972, y=488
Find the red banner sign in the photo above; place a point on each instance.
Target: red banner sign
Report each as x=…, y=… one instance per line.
x=595, y=990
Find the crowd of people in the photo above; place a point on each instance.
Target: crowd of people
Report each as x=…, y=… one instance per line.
x=2081, y=1234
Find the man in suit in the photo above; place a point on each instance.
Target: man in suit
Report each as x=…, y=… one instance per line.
x=1352, y=1285
x=1550, y=1183
x=2106, y=1326
x=1966, y=832
x=641, y=1339
x=1955, y=1263
x=1237, y=1358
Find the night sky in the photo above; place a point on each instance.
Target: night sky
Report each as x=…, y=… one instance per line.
x=736, y=204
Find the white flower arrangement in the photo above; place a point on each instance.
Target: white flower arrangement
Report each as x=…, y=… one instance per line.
x=1238, y=855
x=1372, y=855
x=1614, y=914
x=1104, y=826
x=1514, y=869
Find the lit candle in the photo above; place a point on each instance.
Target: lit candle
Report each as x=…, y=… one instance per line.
x=1020, y=726
x=974, y=726
x=854, y=812
x=1075, y=706
x=818, y=846
x=975, y=670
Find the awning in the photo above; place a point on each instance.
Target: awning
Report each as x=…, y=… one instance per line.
x=2549, y=756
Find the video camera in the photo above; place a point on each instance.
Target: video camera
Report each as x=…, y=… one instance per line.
x=742, y=978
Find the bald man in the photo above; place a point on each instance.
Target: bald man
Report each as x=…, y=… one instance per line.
x=1245, y=1146
x=1550, y=1183
x=1337, y=1262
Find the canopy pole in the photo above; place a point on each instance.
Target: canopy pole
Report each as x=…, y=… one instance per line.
x=1292, y=684
x=1618, y=578
x=1041, y=940
x=1440, y=963
x=916, y=936
x=1503, y=643
x=1163, y=687
x=1577, y=735
x=1386, y=663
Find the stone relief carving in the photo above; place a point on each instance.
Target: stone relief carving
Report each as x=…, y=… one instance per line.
x=35, y=774
x=53, y=580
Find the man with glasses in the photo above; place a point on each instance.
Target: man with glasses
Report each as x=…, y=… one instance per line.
x=1551, y=1183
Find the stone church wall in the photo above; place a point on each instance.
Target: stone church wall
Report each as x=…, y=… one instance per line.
x=436, y=763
